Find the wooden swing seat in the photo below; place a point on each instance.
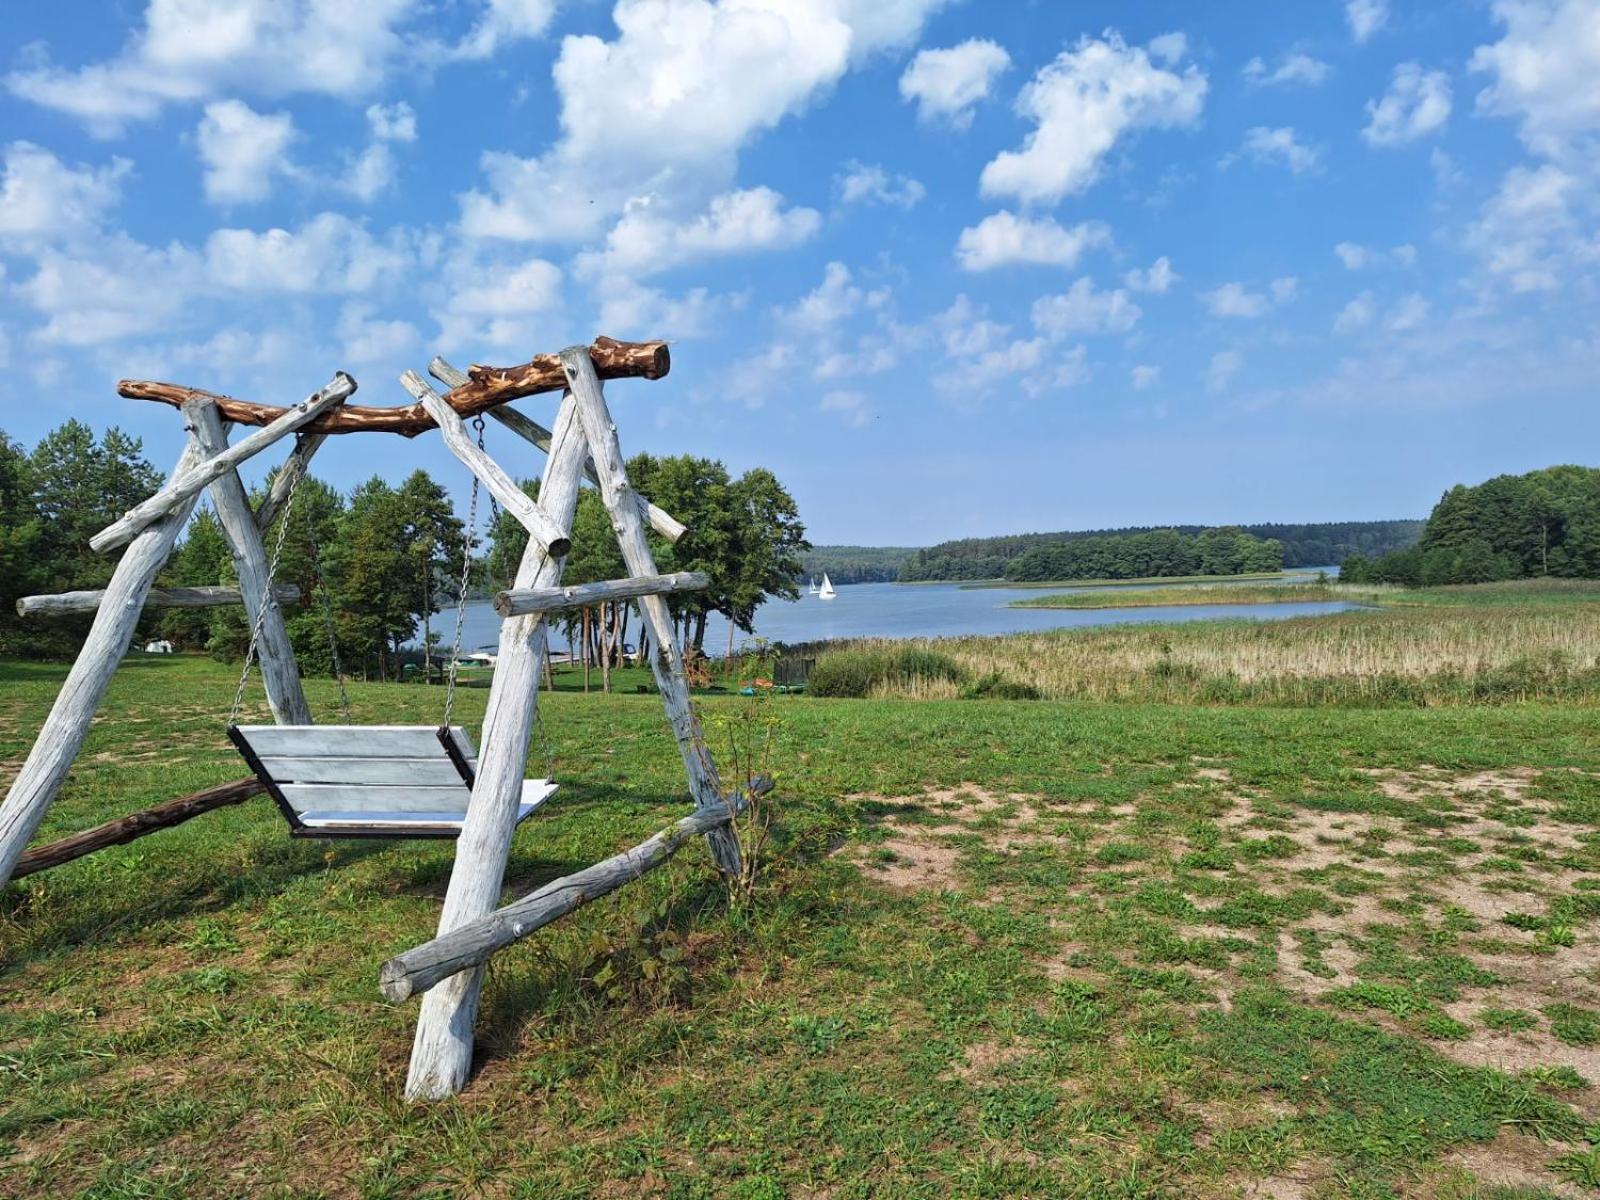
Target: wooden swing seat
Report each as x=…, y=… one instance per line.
x=370, y=780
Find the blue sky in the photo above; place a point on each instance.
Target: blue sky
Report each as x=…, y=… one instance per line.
x=947, y=268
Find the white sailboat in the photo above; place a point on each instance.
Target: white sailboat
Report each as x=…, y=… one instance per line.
x=827, y=592
x=812, y=590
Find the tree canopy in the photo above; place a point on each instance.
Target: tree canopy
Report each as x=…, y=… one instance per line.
x=1546, y=522
x=1225, y=551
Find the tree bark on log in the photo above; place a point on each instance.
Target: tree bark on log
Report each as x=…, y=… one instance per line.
x=667, y=663
x=517, y=603
x=530, y=430
x=486, y=388
x=182, y=488
x=473, y=944
x=63, y=603
x=441, y=1055
x=61, y=736
x=136, y=825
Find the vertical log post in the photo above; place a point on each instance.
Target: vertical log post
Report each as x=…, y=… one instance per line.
x=441, y=1056
x=64, y=729
x=666, y=663
x=278, y=672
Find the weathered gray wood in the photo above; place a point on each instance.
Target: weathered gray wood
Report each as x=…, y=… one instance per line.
x=472, y=944
x=530, y=430
x=504, y=489
x=136, y=825
x=667, y=661
x=344, y=741
x=182, y=488
x=65, y=603
x=274, y=653
x=62, y=734
x=376, y=798
x=438, y=771
x=288, y=476
x=534, y=600
x=441, y=1055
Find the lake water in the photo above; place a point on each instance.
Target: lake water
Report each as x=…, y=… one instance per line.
x=922, y=610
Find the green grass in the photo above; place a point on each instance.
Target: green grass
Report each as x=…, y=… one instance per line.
x=1492, y=644
x=1139, y=970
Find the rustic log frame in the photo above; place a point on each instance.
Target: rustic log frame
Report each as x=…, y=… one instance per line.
x=59, y=604
x=474, y=943
x=486, y=389
x=441, y=1054
x=666, y=663
x=530, y=430
x=584, y=443
x=280, y=676
x=502, y=487
x=184, y=487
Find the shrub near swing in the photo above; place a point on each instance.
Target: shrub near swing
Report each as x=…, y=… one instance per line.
x=854, y=672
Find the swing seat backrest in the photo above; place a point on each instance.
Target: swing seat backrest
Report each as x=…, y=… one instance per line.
x=370, y=780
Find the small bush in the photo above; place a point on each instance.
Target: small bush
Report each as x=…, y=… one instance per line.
x=995, y=686
x=855, y=672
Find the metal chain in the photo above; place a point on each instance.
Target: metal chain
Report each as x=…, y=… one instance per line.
x=265, y=598
x=327, y=615
x=467, y=536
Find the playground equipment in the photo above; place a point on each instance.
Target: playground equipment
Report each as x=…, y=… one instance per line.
x=363, y=781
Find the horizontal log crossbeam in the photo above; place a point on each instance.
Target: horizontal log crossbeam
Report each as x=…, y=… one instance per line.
x=60, y=604
x=468, y=945
x=520, y=602
x=486, y=389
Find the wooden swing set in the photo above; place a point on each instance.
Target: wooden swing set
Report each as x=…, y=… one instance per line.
x=396, y=781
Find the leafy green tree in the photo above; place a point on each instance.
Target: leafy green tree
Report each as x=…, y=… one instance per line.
x=81, y=486
x=201, y=560
x=21, y=536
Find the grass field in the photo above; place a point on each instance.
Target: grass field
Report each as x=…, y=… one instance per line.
x=1001, y=949
x=1497, y=643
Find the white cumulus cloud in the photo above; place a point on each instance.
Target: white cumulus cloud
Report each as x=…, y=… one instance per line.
x=1158, y=278
x=42, y=199
x=1224, y=365
x=868, y=183
x=192, y=50
x=1082, y=103
x=1082, y=310
x=1004, y=239
x=646, y=241
x=244, y=151
x=1296, y=68
x=663, y=108
x=948, y=84
x=1366, y=17
x=1543, y=73
x=1280, y=146
x=1416, y=104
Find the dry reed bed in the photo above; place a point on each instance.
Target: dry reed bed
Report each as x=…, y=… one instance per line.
x=1433, y=654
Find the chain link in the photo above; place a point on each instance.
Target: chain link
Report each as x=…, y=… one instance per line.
x=467, y=537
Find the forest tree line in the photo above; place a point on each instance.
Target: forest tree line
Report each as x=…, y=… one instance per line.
x=1304, y=545
x=374, y=566
x=855, y=564
x=1161, y=552
x=1546, y=522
